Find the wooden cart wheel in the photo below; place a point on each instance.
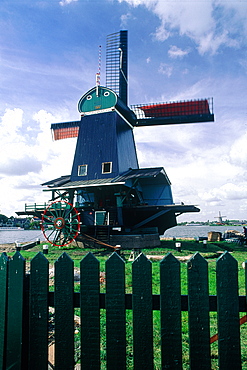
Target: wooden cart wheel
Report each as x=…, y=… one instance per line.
x=60, y=223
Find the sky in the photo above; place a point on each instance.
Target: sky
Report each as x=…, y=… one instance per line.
x=178, y=50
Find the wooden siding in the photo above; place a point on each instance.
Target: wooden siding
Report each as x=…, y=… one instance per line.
x=106, y=133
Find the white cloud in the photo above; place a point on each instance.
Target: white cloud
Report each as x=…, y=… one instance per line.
x=162, y=33
x=17, y=157
x=227, y=191
x=57, y=156
x=124, y=19
x=243, y=63
x=66, y=2
x=138, y=2
x=20, y=166
x=29, y=157
x=238, y=151
x=210, y=24
x=211, y=42
x=11, y=121
x=175, y=52
x=165, y=69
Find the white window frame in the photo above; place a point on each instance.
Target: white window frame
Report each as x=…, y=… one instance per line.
x=79, y=170
x=103, y=164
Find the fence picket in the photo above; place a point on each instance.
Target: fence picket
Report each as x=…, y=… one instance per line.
x=228, y=312
x=198, y=313
x=64, y=313
x=142, y=313
x=115, y=313
x=38, y=321
x=170, y=313
x=3, y=306
x=16, y=275
x=90, y=313
x=24, y=312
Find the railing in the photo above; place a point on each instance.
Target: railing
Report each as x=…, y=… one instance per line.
x=35, y=207
x=42, y=207
x=25, y=301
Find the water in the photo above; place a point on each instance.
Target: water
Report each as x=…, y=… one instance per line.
x=22, y=236
x=201, y=231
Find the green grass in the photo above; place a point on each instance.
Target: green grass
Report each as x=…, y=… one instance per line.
x=189, y=247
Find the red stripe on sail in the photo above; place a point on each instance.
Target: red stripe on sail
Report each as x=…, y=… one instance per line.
x=176, y=109
x=65, y=133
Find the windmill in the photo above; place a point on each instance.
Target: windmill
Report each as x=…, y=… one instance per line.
x=220, y=218
x=107, y=198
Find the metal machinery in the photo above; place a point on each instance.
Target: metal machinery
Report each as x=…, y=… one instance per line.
x=107, y=198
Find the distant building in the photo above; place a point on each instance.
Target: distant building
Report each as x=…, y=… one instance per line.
x=17, y=222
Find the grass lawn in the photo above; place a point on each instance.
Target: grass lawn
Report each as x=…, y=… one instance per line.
x=211, y=252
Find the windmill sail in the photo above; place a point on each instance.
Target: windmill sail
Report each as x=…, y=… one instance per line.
x=174, y=112
x=117, y=64
x=65, y=130
x=176, y=109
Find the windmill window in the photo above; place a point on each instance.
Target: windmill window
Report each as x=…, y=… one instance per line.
x=82, y=170
x=106, y=167
x=89, y=97
x=106, y=93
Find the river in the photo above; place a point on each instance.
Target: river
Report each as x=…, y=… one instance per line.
x=198, y=231
x=22, y=236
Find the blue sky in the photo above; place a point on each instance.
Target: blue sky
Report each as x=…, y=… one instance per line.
x=177, y=50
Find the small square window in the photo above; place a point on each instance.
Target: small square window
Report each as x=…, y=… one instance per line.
x=106, y=167
x=82, y=170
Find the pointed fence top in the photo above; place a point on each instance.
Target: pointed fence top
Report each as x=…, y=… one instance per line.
x=197, y=259
x=39, y=257
x=115, y=257
x=169, y=258
x=64, y=257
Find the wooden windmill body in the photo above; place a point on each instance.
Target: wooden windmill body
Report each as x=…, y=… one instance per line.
x=118, y=202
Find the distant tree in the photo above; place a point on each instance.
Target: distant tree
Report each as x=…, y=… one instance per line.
x=3, y=219
x=34, y=224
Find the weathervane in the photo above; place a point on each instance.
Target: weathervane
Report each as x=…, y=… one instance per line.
x=98, y=73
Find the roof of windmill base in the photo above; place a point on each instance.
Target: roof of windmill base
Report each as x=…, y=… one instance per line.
x=143, y=173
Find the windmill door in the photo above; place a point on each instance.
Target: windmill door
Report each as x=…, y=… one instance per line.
x=101, y=218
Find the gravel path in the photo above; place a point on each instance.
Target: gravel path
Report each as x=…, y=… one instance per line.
x=7, y=248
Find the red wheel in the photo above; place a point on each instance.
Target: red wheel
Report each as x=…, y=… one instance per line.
x=60, y=223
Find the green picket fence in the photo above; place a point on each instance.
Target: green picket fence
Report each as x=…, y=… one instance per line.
x=25, y=301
